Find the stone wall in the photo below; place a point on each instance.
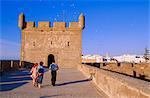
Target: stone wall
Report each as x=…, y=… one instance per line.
x=116, y=85
x=140, y=70
x=8, y=65
x=64, y=43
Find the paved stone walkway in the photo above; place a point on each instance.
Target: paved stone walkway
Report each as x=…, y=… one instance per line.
x=71, y=83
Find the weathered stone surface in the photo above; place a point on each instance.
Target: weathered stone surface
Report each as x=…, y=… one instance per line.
x=116, y=85
x=71, y=83
x=65, y=44
x=139, y=70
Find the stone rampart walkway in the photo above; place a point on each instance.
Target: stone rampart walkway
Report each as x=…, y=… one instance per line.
x=71, y=83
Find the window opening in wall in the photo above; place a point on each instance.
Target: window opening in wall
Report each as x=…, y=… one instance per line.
x=68, y=43
x=118, y=64
x=51, y=42
x=132, y=65
x=33, y=43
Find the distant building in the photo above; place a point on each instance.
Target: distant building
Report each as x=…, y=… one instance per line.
x=107, y=59
x=92, y=59
x=123, y=58
x=130, y=58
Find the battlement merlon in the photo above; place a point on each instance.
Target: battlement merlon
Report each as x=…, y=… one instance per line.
x=56, y=25
x=29, y=24
x=21, y=21
x=44, y=24
x=81, y=21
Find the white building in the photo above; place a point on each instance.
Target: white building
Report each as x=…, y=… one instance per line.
x=92, y=58
x=130, y=58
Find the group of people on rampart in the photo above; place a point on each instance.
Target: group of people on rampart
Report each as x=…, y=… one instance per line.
x=38, y=70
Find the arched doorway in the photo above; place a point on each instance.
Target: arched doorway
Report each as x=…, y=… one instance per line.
x=51, y=58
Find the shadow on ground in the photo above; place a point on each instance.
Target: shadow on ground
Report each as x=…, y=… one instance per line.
x=51, y=96
x=73, y=82
x=14, y=79
x=11, y=86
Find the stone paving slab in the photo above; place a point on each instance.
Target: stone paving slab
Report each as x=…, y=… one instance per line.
x=71, y=83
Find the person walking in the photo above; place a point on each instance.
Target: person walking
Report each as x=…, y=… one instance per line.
x=53, y=67
x=34, y=74
x=40, y=71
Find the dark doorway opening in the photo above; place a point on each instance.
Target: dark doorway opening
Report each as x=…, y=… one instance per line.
x=50, y=59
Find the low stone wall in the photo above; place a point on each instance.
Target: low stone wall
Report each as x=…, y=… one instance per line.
x=116, y=85
x=8, y=65
x=141, y=70
x=138, y=70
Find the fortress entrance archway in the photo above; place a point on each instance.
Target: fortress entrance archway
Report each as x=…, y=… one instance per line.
x=51, y=58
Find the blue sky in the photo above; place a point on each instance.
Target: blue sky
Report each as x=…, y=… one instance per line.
x=111, y=26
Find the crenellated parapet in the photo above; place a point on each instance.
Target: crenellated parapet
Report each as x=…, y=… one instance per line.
x=46, y=24
x=61, y=39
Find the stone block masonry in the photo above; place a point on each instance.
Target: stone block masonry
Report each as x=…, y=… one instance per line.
x=9, y=65
x=116, y=85
x=46, y=43
x=139, y=70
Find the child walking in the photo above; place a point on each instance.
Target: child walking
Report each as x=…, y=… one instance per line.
x=40, y=71
x=34, y=74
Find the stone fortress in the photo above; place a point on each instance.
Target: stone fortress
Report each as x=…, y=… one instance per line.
x=46, y=43
x=62, y=44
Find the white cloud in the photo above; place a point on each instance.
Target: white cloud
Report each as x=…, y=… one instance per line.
x=9, y=49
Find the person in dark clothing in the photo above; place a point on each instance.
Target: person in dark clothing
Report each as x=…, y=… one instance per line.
x=53, y=67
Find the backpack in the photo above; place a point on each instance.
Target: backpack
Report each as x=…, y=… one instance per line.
x=54, y=67
x=41, y=70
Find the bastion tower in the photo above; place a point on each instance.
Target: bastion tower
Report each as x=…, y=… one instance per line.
x=46, y=43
